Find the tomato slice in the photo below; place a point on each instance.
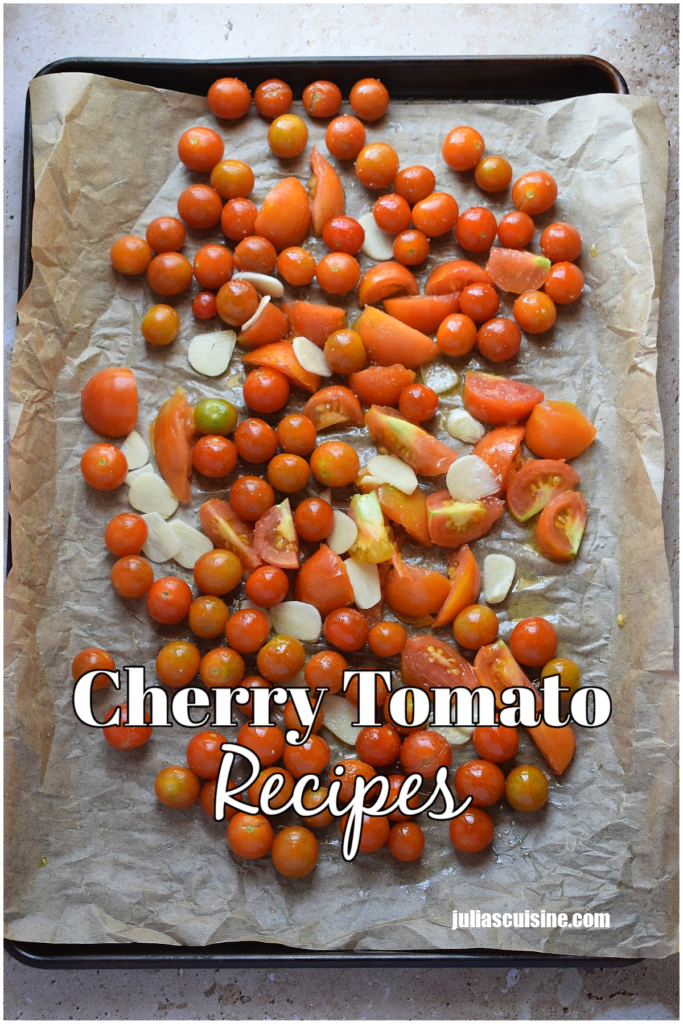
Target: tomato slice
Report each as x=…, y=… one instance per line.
x=324, y=582
x=381, y=384
x=387, y=341
x=496, y=668
x=536, y=484
x=225, y=529
x=431, y=663
x=408, y=510
x=272, y=325
x=170, y=435
x=414, y=592
x=313, y=320
x=560, y=526
x=499, y=400
x=423, y=312
x=398, y=436
x=285, y=216
x=452, y=523
x=334, y=406
x=326, y=192
x=558, y=430
x=384, y=280
x=454, y=276
x=275, y=537
x=281, y=357
x=465, y=585
x=109, y=401
x=501, y=449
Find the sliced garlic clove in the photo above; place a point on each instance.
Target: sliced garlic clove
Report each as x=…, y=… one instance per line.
x=464, y=427
x=162, y=542
x=470, y=478
x=389, y=469
x=439, y=376
x=133, y=474
x=210, y=354
x=259, y=309
x=297, y=619
x=193, y=544
x=326, y=495
x=149, y=493
x=339, y=714
x=135, y=450
x=499, y=572
x=456, y=735
x=263, y=283
x=311, y=357
x=377, y=244
x=344, y=533
x=364, y=577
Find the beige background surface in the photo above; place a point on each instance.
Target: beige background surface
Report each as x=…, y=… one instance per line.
x=642, y=43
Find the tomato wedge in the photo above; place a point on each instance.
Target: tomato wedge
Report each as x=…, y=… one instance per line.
x=381, y=384
x=452, y=523
x=170, y=435
x=412, y=591
x=387, y=341
x=558, y=430
x=275, y=538
x=375, y=542
x=496, y=668
x=560, y=526
x=454, y=276
x=334, y=406
x=109, y=402
x=398, y=436
x=225, y=529
x=324, y=582
x=499, y=400
x=465, y=585
x=423, y=312
x=285, y=216
x=536, y=484
x=408, y=510
x=280, y=356
x=501, y=450
x=272, y=325
x=384, y=280
x=313, y=320
x=430, y=663
x=326, y=192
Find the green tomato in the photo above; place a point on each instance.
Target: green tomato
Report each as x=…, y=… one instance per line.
x=215, y=416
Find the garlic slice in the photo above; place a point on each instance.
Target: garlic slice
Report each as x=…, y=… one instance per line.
x=133, y=474
x=339, y=713
x=499, y=572
x=456, y=735
x=162, y=542
x=464, y=427
x=193, y=544
x=364, y=577
x=263, y=283
x=311, y=357
x=377, y=244
x=344, y=533
x=297, y=619
x=439, y=376
x=149, y=493
x=210, y=354
x=470, y=478
x=389, y=469
x=259, y=309
x=135, y=450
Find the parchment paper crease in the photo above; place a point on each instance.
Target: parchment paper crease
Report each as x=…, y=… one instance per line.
x=90, y=854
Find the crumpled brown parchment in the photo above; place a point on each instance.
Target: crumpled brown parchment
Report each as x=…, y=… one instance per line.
x=90, y=854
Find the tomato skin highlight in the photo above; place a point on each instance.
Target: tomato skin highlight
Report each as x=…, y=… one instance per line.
x=387, y=341
x=499, y=401
x=465, y=585
x=170, y=434
x=324, y=582
x=537, y=483
x=560, y=526
x=431, y=663
x=558, y=430
x=422, y=451
x=453, y=523
x=500, y=449
x=109, y=402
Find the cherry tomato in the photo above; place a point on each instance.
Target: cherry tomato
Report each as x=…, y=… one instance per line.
x=391, y=213
x=436, y=214
x=418, y=403
x=411, y=247
x=207, y=617
x=88, y=660
x=215, y=416
x=481, y=780
x=335, y=464
x=256, y=254
x=273, y=97
x=314, y=519
x=132, y=576
x=166, y=234
x=322, y=99
x=395, y=783
x=267, y=586
x=217, y=572
x=169, y=600
x=169, y=273
x=236, y=302
x=177, y=787
x=424, y=752
x=353, y=769
x=337, y=273
x=126, y=534
x=207, y=799
x=387, y=639
x=296, y=266
x=252, y=683
x=526, y=788
x=282, y=797
x=232, y=179
x=558, y=430
x=378, y=745
x=381, y=691
x=160, y=325
x=213, y=265
x=457, y=335
x=266, y=741
x=200, y=149
x=345, y=137
x=535, y=312
x=104, y=467
x=533, y=642
x=281, y=659
x=200, y=206
x=475, y=627
x=515, y=230
x=463, y=148
x=564, y=283
x=265, y=389
x=493, y=174
x=534, y=192
x=414, y=183
x=343, y=234
x=569, y=673
x=214, y=457
x=479, y=301
x=247, y=630
x=126, y=737
x=130, y=255
x=346, y=628
x=312, y=799
x=222, y=667
x=204, y=754
x=561, y=242
x=497, y=743
x=311, y=758
x=376, y=165
x=560, y=527
x=204, y=306
x=326, y=668
x=250, y=835
x=292, y=721
x=287, y=136
x=471, y=831
x=295, y=852
x=238, y=218
x=406, y=841
x=177, y=663
x=296, y=434
x=374, y=833
x=475, y=229
x=369, y=99
x=255, y=441
x=345, y=352
x=229, y=98
x=499, y=339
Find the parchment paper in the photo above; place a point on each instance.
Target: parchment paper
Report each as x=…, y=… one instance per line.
x=90, y=854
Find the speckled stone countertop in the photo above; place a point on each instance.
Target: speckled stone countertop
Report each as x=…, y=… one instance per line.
x=642, y=42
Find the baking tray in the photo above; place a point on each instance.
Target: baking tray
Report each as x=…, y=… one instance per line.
x=493, y=79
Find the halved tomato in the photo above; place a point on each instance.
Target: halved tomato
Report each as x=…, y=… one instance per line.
x=499, y=400
x=272, y=325
x=496, y=668
x=423, y=312
x=501, y=450
x=326, y=192
x=324, y=582
x=313, y=320
x=452, y=523
x=465, y=585
x=384, y=280
x=170, y=434
x=414, y=592
x=560, y=526
x=375, y=542
x=285, y=216
x=514, y=270
x=275, y=537
x=430, y=663
x=398, y=436
x=454, y=276
x=225, y=529
x=334, y=406
x=387, y=341
x=280, y=356
x=558, y=430
x=408, y=510
x=109, y=401
x=381, y=384
x=536, y=484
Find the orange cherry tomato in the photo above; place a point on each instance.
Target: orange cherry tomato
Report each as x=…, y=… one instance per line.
x=207, y=617
x=534, y=193
x=353, y=769
x=345, y=137
x=411, y=247
x=497, y=743
x=343, y=234
x=200, y=149
x=166, y=234
x=564, y=283
x=232, y=179
x=222, y=667
x=533, y=642
x=369, y=98
x=391, y=213
x=378, y=745
x=314, y=519
x=266, y=741
x=463, y=148
x=374, y=833
x=406, y=841
x=526, y=788
x=177, y=787
x=481, y=780
x=251, y=497
x=160, y=325
x=337, y=273
x=288, y=473
x=424, y=752
x=255, y=254
x=381, y=691
x=214, y=456
x=213, y=265
x=475, y=229
x=561, y=242
x=238, y=218
x=475, y=627
x=229, y=98
x=132, y=576
x=250, y=836
x=236, y=302
x=255, y=440
x=414, y=183
x=267, y=586
x=386, y=639
x=296, y=434
x=207, y=799
x=273, y=97
x=130, y=255
x=499, y=339
x=169, y=273
x=471, y=831
x=569, y=673
x=457, y=335
x=217, y=572
x=535, y=312
x=558, y=430
x=177, y=663
x=104, y=467
x=346, y=628
x=376, y=165
x=335, y=464
x=281, y=659
x=479, y=301
x=296, y=266
x=418, y=403
x=265, y=389
x=204, y=754
x=287, y=136
x=436, y=214
x=312, y=757
x=322, y=99
x=395, y=783
x=204, y=306
x=169, y=600
x=88, y=660
x=326, y=668
x=126, y=534
x=283, y=796
x=345, y=352
x=493, y=174
x=515, y=230
x=252, y=683
x=123, y=736
x=247, y=630
x=295, y=852
x=200, y=206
